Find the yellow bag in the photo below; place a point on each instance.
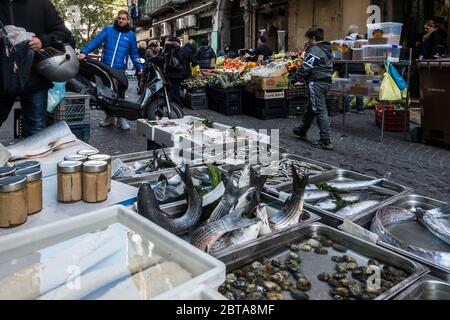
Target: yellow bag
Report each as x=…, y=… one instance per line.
x=195, y=70
x=389, y=90
x=335, y=74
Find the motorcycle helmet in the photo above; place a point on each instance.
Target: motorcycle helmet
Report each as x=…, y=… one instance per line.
x=57, y=65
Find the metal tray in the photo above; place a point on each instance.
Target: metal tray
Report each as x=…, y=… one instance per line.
x=277, y=246
x=393, y=190
x=415, y=233
x=427, y=288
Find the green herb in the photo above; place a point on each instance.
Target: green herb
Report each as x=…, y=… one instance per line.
x=215, y=175
x=342, y=203
x=208, y=123
x=152, y=123
x=326, y=187
x=201, y=191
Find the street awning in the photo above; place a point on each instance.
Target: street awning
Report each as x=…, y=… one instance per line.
x=195, y=10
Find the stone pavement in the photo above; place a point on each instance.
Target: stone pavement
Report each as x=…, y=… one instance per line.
x=357, y=147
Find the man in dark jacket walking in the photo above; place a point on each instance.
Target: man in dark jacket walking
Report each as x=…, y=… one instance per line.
x=316, y=73
x=119, y=42
x=41, y=18
x=205, y=55
x=189, y=59
x=173, y=65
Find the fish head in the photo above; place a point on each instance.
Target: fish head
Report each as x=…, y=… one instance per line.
x=299, y=183
x=261, y=213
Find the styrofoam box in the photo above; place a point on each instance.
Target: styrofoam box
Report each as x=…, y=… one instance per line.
x=201, y=293
x=206, y=270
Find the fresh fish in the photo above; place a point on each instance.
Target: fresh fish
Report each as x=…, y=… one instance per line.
x=208, y=234
x=230, y=198
x=4, y=155
x=355, y=208
x=148, y=206
x=327, y=205
x=292, y=211
x=437, y=221
x=257, y=181
x=311, y=196
x=352, y=197
x=392, y=215
x=354, y=185
x=55, y=137
x=263, y=217
x=163, y=191
x=201, y=176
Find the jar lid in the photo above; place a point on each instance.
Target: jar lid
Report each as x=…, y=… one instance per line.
x=69, y=166
x=87, y=152
x=27, y=164
x=32, y=174
x=101, y=157
x=7, y=171
x=12, y=183
x=76, y=157
x=95, y=166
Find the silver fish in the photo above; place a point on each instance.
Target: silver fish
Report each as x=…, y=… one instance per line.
x=354, y=185
x=355, y=208
x=393, y=215
x=148, y=206
x=327, y=205
x=292, y=210
x=164, y=191
x=208, y=234
x=437, y=221
x=41, y=144
x=352, y=197
x=316, y=195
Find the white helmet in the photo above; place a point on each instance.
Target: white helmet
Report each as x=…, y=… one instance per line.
x=57, y=65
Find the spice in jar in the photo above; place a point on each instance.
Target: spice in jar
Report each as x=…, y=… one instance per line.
x=34, y=189
x=69, y=181
x=76, y=157
x=95, y=181
x=7, y=171
x=27, y=165
x=88, y=152
x=13, y=201
x=107, y=158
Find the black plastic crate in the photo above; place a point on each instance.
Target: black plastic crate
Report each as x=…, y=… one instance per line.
x=81, y=131
x=297, y=106
x=196, y=101
x=74, y=109
x=227, y=102
x=333, y=106
x=248, y=101
x=299, y=91
x=270, y=109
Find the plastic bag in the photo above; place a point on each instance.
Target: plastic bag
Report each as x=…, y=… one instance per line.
x=220, y=61
x=335, y=74
x=56, y=95
x=195, y=70
x=401, y=83
x=389, y=90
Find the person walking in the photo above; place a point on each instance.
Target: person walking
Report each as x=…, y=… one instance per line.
x=262, y=52
x=118, y=42
x=205, y=55
x=153, y=49
x=316, y=73
x=41, y=18
x=173, y=65
x=434, y=42
x=189, y=50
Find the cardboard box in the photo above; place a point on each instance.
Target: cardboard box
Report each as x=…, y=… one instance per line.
x=273, y=83
x=270, y=95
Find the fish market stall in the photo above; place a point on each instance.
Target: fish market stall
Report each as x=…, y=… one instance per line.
x=427, y=288
x=315, y=262
x=119, y=256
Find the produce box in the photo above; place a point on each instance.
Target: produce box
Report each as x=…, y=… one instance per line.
x=272, y=83
x=394, y=120
x=268, y=95
x=225, y=101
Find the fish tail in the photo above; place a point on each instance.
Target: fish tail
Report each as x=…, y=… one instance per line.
x=222, y=209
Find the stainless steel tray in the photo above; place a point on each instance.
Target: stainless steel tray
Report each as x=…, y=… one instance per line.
x=415, y=233
x=392, y=190
x=277, y=246
x=427, y=288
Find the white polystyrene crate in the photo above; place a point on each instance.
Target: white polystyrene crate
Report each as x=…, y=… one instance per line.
x=205, y=269
x=201, y=293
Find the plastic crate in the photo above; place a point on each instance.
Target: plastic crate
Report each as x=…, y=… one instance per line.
x=74, y=109
x=248, y=101
x=333, y=106
x=297, y=106
x=196, y=101
x=18, y=124
x=394, y=120
x=299, y=91
x=81, y=131
x=227, y=102
x=270, y=109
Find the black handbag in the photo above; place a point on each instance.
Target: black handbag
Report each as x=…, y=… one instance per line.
x=15, y=65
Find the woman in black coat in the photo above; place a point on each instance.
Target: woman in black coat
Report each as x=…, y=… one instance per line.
x=433, y=44
x=173, y=64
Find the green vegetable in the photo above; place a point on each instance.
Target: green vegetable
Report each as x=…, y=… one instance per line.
x=201, y=191
x=342, y=203
x=208, y=123
x=215, y=175
x=152, y=123
x=325, y=187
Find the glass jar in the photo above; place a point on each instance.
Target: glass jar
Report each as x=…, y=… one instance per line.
x=76, y=157
x=7, y=171
x=13, y=201
x=69, y=181
x=27, y=165
x=107, y=158
x=34, y=189
x=87, y=152
x=95, y=181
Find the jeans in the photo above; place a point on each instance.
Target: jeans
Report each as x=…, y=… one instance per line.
x=317, y=107
x=175, y=88
x=34, y=107
x=359, y=103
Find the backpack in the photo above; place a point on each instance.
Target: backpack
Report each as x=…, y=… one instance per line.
x=174, y=63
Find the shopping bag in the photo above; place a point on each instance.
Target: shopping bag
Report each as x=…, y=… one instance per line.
x=389, y=90
x=335, y=74
x=56, y=95
x=195, y=70
x=401, y=83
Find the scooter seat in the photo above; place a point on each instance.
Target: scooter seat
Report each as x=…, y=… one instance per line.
x=119, y=75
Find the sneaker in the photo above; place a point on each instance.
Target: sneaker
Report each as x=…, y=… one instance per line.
x=300, y=133
x=108, y=121
x=348, y=113
x=123, y=124
x=360, y=112
x=325, y=145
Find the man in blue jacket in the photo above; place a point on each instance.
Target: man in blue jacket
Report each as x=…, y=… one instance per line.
x=119, y=42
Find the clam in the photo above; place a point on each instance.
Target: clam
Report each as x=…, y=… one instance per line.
x=275, y=296
x=247, y=269
x=231, y=277
x=343, y=292
x=373, y=262
x=241, y=285
x=355, y=290
x=349, y=259
x=341, y=268
x=250, y=288
x=296, y=247
x=251, y=277
x=339, y=276
x=327, y=243
x=314, y=243
x=303, y=284
x=306, y=248
x=321, y=251
x=278, y=278
x=334, y=283
x=254, y=296
x=294, y=256
x=337, y=259
x=228, y=295
x=271, y=286
x=299, y=295
x=339, y=248
x=276, y=263
x=292, y=265
x=256, y=265
x=238, y=273
x=351, y=266
x=347, y=283
x=325, y=277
